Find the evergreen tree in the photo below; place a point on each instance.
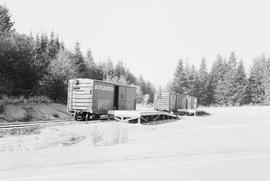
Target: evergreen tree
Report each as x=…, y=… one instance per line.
x=89, y=59
x=42, y=59
x=120, y=70
x=180, y=81
x=193, y=81
x=44, y=43
x=108, y=70
x=142, y=84
x=19, y=73
x=5, y=20
x=150, y=90
x=240, y=95
x=231, y=79
x=131, y=79
x=79, y=62
x=203, y=84
x=266, y=82
x=257, y=91
x=216, y=74
x=91, y=66
x=53, y=46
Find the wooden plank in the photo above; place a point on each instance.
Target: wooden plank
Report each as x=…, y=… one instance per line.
x=80, y=108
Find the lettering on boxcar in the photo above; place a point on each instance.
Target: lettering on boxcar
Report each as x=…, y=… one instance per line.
x=104, y=87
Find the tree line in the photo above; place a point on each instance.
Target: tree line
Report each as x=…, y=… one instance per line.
x=41, y=65
x=227, y=83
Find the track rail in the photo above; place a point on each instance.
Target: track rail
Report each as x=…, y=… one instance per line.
x=29, y=124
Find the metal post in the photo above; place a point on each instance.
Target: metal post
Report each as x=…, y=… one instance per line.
x=139, y=120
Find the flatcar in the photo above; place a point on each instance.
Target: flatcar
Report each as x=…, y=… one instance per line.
x=172, y=102
x=89, y=98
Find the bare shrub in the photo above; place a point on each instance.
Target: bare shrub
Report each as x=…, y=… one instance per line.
x=28, y=115
x=120, y=133
x=73, y=140
x=55, y=115
x=39, y=99
x=96, y=136
x=18, y=100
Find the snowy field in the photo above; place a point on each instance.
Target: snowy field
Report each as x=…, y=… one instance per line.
x=230, y=144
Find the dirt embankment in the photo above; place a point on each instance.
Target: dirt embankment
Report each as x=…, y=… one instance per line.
x=33, y=112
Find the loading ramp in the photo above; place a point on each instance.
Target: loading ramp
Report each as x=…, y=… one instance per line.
x=136, y=116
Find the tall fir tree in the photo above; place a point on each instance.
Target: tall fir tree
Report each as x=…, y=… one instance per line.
x=89, y=59
x=203, y=84
x=91, y=66
x=119, y=70
x=79, y=63
x=240, y=95
x=266, y=82
x=5, y=20
x=53, y=46
x=193, y=81
x=180, y=81
x=142, y=84
x=216, y=75
x=257, y=91
x=108, y=69
x=231, y=79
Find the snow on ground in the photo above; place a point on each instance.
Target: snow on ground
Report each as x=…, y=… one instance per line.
x=230, y=144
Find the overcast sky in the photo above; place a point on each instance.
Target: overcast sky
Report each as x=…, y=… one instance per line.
x=151, y=35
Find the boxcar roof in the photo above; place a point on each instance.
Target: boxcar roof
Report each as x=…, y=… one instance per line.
x=109, y=82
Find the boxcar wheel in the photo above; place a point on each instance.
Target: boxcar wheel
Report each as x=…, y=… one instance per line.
x=76, y=117
x=83, y=116
x=97, y=116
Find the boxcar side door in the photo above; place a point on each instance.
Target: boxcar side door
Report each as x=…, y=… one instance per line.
x=131, y=98
x=122, y=98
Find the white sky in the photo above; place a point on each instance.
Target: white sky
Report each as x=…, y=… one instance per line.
x=151, y=35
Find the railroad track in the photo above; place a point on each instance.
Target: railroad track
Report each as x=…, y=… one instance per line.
x=29, y=124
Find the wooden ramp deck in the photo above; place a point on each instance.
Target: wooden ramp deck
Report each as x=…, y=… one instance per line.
x=187, y=112
x=136, y=116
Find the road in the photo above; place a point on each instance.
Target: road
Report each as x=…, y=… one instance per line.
x=221, y=167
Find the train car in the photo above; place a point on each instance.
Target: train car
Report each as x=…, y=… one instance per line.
x=165, y=101
x=193, y=102
x=188, y=102
x=89, y=98
x=181, y=102
x=174, y=102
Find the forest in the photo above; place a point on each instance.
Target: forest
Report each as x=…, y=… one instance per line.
x=227, y=83
x=41, y=65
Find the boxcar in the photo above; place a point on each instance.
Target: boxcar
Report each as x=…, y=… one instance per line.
x=193, y=102
x=188, y=102
x=171, y=102
x=88, y=98
x=181, y=102
x=165, y=101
